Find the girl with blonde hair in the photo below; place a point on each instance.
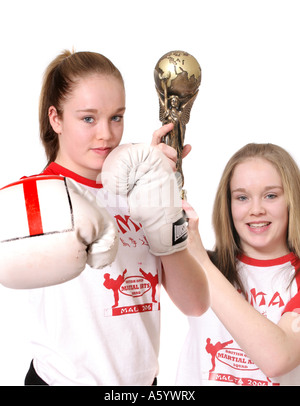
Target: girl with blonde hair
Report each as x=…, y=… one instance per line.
x=251, y=334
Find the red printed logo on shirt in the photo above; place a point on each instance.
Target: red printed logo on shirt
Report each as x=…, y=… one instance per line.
x=233, y=357
x=133, y=286
x=236, y=359
x=128, y=230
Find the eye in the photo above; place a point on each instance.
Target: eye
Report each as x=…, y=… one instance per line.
x=117, y=119
x=271, y=196
x=241, y=198
x=88, y=120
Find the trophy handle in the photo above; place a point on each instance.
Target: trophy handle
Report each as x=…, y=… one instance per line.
x=177, y=77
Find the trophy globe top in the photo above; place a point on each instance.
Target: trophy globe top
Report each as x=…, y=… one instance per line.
x=178, y=73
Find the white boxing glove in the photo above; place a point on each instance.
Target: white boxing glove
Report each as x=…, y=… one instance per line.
x=143, y=174
x=50, y=228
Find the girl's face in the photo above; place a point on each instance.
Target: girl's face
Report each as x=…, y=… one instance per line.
x=259, y=209
x=91, y=125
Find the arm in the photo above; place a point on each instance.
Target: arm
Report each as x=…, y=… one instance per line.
x=275, y=349
x=186, y=283
x=183, y=278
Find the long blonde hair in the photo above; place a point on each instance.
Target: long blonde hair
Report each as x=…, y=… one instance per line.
x=59, y=79
x=228, y=246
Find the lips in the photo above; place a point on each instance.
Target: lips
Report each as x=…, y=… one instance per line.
x=259, y=225
x=102, y=150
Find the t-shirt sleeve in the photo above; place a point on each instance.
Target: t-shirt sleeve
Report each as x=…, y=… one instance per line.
x=293, y=305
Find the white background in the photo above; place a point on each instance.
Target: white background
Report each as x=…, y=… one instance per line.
x=250, y=92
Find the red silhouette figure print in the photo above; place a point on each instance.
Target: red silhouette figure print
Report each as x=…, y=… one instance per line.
x=153, y=281
x=212, y=349
x=114, y=285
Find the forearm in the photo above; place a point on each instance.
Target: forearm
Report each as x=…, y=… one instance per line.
x=186, y=283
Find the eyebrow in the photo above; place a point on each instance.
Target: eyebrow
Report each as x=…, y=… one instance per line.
x=243, y=190
x=96, y=111
x=87, y=111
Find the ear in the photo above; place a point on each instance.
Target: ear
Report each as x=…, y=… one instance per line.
x=55, y=120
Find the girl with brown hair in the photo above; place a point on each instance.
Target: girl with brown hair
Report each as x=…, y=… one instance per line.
x=82, y=335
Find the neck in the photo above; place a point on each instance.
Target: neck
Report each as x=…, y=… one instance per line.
x=91, y=174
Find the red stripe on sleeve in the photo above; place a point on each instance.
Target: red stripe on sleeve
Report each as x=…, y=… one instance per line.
x=32, y=207
x=294, y=304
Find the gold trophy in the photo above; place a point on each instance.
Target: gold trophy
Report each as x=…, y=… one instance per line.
x=177, y=77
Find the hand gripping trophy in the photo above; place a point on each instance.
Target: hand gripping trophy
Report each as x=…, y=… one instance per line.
x=177, y=77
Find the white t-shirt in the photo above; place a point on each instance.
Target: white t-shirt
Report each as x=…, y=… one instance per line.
x=103, y=327
x=211, y=356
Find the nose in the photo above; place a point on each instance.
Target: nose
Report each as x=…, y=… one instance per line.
x=103, y=130
x=257, y=207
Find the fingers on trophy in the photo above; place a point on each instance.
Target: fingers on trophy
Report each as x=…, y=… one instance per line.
x=177, y=77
